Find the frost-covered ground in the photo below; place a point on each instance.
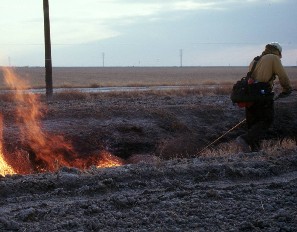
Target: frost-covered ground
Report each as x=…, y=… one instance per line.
x=245, y=192
x=232, y=192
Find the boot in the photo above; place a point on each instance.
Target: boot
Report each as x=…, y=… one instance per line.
x=243, y=145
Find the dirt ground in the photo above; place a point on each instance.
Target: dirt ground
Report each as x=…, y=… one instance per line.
x=153, y=191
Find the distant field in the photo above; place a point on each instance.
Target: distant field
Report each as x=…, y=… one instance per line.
x=135, y=76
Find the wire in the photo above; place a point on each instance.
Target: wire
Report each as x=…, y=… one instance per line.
x=237, y=125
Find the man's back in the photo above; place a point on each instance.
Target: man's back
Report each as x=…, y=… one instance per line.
x=268, y=66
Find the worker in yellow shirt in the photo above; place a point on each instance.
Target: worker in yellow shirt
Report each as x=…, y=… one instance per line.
x=260, y=115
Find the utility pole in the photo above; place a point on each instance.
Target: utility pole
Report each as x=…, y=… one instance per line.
x=48, y=55
x=181, y=57
x=103, y=59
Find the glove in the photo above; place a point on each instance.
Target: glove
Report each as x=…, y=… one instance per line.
x=284, y=94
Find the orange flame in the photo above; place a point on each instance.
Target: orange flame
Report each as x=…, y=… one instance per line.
x=109, y=160
x=43, y=151
x=5, y=168
x=48, y=151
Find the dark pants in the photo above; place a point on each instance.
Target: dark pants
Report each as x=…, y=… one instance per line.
x=259, y=118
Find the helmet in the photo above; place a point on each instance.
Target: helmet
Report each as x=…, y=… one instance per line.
x=277, y=46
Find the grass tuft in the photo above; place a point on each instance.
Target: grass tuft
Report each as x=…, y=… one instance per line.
x=270, y=147
x=71, y=95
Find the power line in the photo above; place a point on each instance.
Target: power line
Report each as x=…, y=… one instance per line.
x=86, y=44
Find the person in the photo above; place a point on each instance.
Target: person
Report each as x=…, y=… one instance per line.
x=260, y=115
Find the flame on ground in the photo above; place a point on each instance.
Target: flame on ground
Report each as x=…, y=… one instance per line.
x=109, y=160
x=44, y=151
x=5, y=168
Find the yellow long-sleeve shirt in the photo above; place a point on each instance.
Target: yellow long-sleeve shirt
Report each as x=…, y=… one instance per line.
x=268, y=66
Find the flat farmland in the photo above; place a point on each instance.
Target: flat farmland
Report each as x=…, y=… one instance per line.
x=86, y=77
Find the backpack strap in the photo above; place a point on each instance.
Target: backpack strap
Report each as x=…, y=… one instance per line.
x=256, y=59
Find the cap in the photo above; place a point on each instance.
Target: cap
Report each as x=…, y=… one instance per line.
x=277, y=46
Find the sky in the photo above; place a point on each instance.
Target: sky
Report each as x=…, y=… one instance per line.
x=147, y=32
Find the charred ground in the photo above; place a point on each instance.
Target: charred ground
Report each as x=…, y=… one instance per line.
x=164, y=124
x=235, y=192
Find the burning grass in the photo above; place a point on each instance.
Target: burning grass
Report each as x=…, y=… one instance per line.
x=5, y=168
x=42, y=151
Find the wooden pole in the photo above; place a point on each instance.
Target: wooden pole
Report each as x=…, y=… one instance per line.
x=48, y=55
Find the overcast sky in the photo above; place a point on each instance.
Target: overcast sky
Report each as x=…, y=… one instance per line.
x=147, y=32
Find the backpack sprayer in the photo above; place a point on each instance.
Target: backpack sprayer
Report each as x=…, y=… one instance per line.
x=281, y=95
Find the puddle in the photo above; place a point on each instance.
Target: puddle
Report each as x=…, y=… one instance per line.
x=110, y=89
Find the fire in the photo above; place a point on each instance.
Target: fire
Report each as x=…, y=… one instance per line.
x=5, y=168
x=109, y=160
x=44, y=151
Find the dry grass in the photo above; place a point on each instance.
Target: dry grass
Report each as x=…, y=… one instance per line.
x=6, y=97
x=94, y=77
x=72, y=95
x=222, y=150
x=77, y=95
x=274, y=146
x=202, y=81
x=270, y=147
x=196, y=80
